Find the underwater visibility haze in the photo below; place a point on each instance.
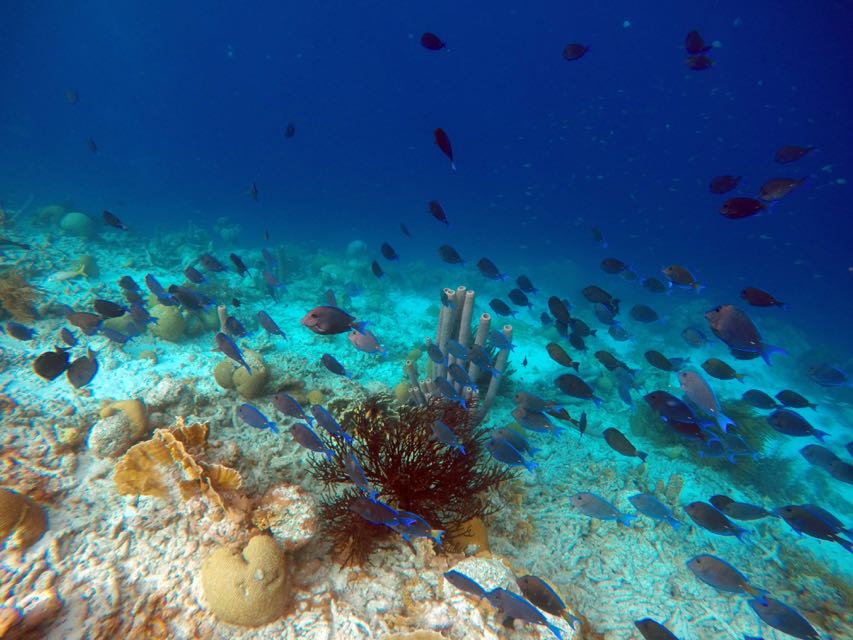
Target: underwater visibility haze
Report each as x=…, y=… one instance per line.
x=420, y=320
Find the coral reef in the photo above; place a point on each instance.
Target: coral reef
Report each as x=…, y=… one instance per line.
x=170, y=323
x=409, y=469
x=22, y=521
x=17, y=296
x=250, y=588
x=289, y=513
x=76, y=223
x=230, y=375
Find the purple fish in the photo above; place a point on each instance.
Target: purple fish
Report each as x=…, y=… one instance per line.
x=305, y=436
x=269, y=324
x=330, y=320
x=228, y=347
x=595, y=506
x=699, y=392
x=254, y=418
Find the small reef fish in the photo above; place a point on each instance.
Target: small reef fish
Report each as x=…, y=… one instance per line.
x=650, y=506
x=331, y=363
x=723, y=184
x=620, y=444
x=739, y=510
x=669, y=408
x=791, y=153
x=653, y=630
x=252, y=192
x=498, y=340
x=503, y=451
x=828, y=376
x=718, y=369
x=88, y=323
x=660, y=361
x=290, y=406
x=490, y=270
x=782, y=617
x=516, y=607
x=418, y=528
x=759, y=399
x=721, y=575
x=19, y=331
x=699, y=392
x=644, y=313
x=446, y=390
x=354, y=470
x=460, y=351
x=254, y=418
x=445, y=435
x=559, y=309
x=51, y=364
x=140, y=315
x=211, y=263
x=559, y=355
x=501, y=308
x=226, y=345
x=711, y=519
x=681, y=276
x=269, y=324
x=544, y=596
x=516, y=439
x=573, y=386
x=792, y=399
x=460, y=376
x=438, y=213
x=304, y=435
x=108, y=309
x=777, y=188
x=82, y=370
x=534, y=421
x=653, y=285
x=376, y=269
x=811, y=520
x=694, y=44
x=431, y=42
x=594, y=506
x=574, y=51
x=112, y=220
x=328, y=422
x=450, y=255
x=238, y=264
x=388, y=252
x=741, y=207
x=443, y=142
x=163, y=297
x=612, y=266
x=290, y=130
x=194, y=275
x=760, y=298
x=793, y=424
x=377, y=512
x=327, y=320
x=435, y=354
x=366, y=342
x=128, y=284
x=531, y=402
x=525, y=284
x=67, y=337
x=464, y=583
x=405, y=230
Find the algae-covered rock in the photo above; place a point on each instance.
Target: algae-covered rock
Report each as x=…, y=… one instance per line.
x=22, y=521
x=251, y=385
x=170, y=323
x=223, y=374
x=123, y=324
x=249, y=588
x=76, y=223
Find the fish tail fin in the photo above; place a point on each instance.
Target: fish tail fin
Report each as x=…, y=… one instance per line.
x=675, y=524
x=725, y=422
x=576, y=366
x=330, y=455
x=597, y=401
x=557, y=633
x=627, y=518
x=360, y=326
x=845, y=543
x=436, y=536
x=272, y=426
x=820, y=435
x=743, y=535
x=697, y=287
x=758, y=594
x=768, y=350
x=452, y=165
x=530, y=465
x=740, y=376
x=531, y=451
x=642, y=455
x=462, y=450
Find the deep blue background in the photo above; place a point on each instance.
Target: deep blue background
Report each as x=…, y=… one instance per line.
x=188, y=107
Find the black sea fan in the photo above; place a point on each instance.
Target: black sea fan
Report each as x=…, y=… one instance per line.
x=409, y=469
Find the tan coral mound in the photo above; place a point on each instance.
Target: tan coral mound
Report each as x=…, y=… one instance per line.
x=17, y=297
x=148, y=467
x=22, y=521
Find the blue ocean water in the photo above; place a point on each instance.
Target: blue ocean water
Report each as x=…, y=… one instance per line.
x=167, y=114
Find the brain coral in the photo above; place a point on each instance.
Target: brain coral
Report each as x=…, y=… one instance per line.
x=248, y=588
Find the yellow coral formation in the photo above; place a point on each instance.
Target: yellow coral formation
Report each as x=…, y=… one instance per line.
x=134, y=410
x=249, y=588
x=170, y=323
x=470, y=533
x=22, y=521
x=17, y=297
x=230, y=375
x=144, y=469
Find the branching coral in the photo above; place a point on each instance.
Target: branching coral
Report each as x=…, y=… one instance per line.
x=17, y=296
x=409, y=469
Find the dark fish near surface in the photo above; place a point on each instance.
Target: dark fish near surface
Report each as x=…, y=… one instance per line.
x=581, y=328
x=501, y=308
x=19, y=331
x=490, y=270
x=653, y=630
x=681, y=277
x=128, y=284
x=516, y=439
x=613, y=266
x=793, y=424
x=644, y=313
x=790, y=153
x=560, y=356
x=694, y=44
x=741, y=207
x=739, y=510
x=620, y=444
x=723, y=184
x=238, y=264
x=819, y=456
x=229, y=348
x=782, y=617
x=609, y=361
x=604, y=314
x=711, y=519
x=595, y=506
x=653, y=285
x=573, y=386
x=559, y=309
x=660, y=361
x=574, y=51
x=112, y=220
x=518, y=297
x=793, y=399
x=718, y=369
x=431, y=41
x=827, y=376
x=328, y=320
x=405, y=230
x=210, y=263
x=388, y=252
x=778, y=188
x=597, y=236
x=290, y=406
x=107, y=309
x=650, y=506
x=694, y=337
x=443, y=142
x=618, y=332
x=450, y=255
x=376, y=269
x=93, y=146
x=759, y=399
x=331, y=363
x=816, y=522
x=596, y=294
x=82, y=370
x=525, y=284
x=734, y=327
x=721, y=575
x=699, y=63
x=67, y=337
x=51, y=364
x=531, y=402
x=194, y=275
x=290, y=130
x=269, y=324
x=760, y=298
